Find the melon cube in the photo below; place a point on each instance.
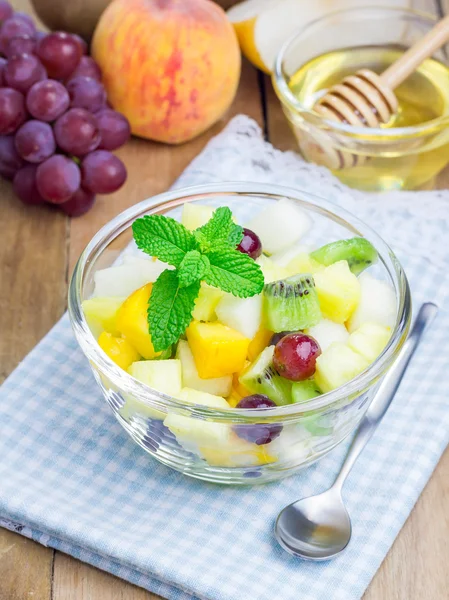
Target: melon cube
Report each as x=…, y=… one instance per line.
x=338, y=291
x=327, y=332
x=271, y=270
x=195, y=215
x=242, y=314
x=125, y=279
x=218, y=386
x=377, y=303
x=161, y=375
x=284, y=258
x=369, y=340
x=337, y=365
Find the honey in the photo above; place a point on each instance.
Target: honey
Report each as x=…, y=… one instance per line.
x=399, y=159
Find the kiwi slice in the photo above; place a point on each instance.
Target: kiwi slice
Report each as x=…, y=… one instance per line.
x=262, y=378
x=358, y=251
x=291, y=304
x=305, y=390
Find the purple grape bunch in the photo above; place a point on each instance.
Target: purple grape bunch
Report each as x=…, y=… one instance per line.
x=57, y=129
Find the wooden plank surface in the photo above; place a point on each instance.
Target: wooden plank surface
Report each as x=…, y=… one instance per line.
x=33, y=283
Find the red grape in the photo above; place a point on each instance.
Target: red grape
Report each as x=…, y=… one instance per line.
x=12, y=110
x=13, y=27
x=250, y=244
x=24, y=185
x=10, y=161
x=81, y=201
x=3, y=63
x=114, y=129
x=6, y=10
x=87, y=67
x=102, y=172
x=295, y=356
x=82, y=43
x=76, y=132
x=58, y=178
x=24, y=17
x=87, y=93
x=60, y=53
x=21, y=44
x=35, y=141
x=40, y=35
x=258, y=433
x=47, y=100
x=22, y=71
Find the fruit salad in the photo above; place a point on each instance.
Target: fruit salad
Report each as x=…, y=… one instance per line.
x=236, y=316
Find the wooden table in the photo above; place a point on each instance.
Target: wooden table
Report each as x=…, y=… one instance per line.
x=38, y=250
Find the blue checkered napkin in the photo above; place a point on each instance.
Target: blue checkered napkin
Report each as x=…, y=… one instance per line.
x=72, y=479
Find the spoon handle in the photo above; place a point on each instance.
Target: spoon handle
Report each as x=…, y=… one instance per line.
x=386, y=391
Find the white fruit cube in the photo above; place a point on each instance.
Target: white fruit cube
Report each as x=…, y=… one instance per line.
x=271, y=270
x=337, y=365
x=280, y=225
x=326, y=332
x=162, y=375
x=242, y=314
x=286, y=256
x=377, y=303
x=195, y=215
x=369, y=340
x=218, y=386
x=125, y=279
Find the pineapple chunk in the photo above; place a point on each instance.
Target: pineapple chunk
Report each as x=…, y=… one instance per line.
x=284, y=258
x=101, y=314
x=369, y=340
x=162, y=375
x=271, y=270
x=218, y=386
x=132, y=321
x=218, y=350
x=118, y=349
x=259, y=343
x=338, y=291
x=303, y=263
x=195, y=215
x=206, y=303
x=337, y=365
x=242, y=314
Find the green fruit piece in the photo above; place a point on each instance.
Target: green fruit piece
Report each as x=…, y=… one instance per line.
x=262, y=378
x=357, y=251
x=305, y=390
x=291, y=304
x=101, y=314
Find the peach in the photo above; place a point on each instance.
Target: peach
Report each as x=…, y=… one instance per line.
x=171, y=66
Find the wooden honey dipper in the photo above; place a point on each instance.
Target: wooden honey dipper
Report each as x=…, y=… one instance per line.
x=367, y=99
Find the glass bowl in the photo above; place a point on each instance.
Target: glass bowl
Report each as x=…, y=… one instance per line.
x=201, y=442
x=398, y=157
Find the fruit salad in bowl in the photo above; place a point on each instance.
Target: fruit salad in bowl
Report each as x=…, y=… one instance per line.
x=239, y=331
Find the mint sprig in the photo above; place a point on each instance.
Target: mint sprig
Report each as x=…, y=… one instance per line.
x=207, y=254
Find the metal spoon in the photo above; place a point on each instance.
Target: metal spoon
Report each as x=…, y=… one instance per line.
x=319, y=527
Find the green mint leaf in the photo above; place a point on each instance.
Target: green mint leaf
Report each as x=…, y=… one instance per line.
x=193, y=267
x=219, y=230
x=235, y=236
x=163, y=237
x=170, y=309
x=234, y=272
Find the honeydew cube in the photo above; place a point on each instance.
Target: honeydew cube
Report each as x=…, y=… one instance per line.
x=101, y=314
x=326, y=332
x=338, y=291
x=242, y=314
x=206, y=303
x=195, y=215
x=377, y=303
x=369, y=340
x=271, y=270
x=286, y=256
x=161, y=375
x=337, y=365
x=280, y=225
x=218, y=386
x=125, y=279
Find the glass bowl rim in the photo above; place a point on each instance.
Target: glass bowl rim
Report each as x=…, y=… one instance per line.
x=155, y=399
x=371, y=134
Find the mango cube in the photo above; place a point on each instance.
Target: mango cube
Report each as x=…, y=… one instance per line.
x=338, y=291
x=217, y=350
x=132, y=321
x=118, y=349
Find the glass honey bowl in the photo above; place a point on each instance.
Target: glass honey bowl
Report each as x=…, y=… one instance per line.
x=407, y=152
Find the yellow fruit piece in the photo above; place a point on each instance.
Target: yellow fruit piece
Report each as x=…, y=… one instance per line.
x=259, y=343
x=271, y=270
x=337, y=365
x=206, y=303
x=303, y=264
x=338, y=291
x=195, y=215
x=369, y=340
x=118, y=349
x=217, y=350
x=238, y=389
x=101, y=314
x=239, y=453
x=133, y=324
x=233, y=399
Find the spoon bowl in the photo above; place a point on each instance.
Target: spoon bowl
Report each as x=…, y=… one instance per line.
x=315, y=528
